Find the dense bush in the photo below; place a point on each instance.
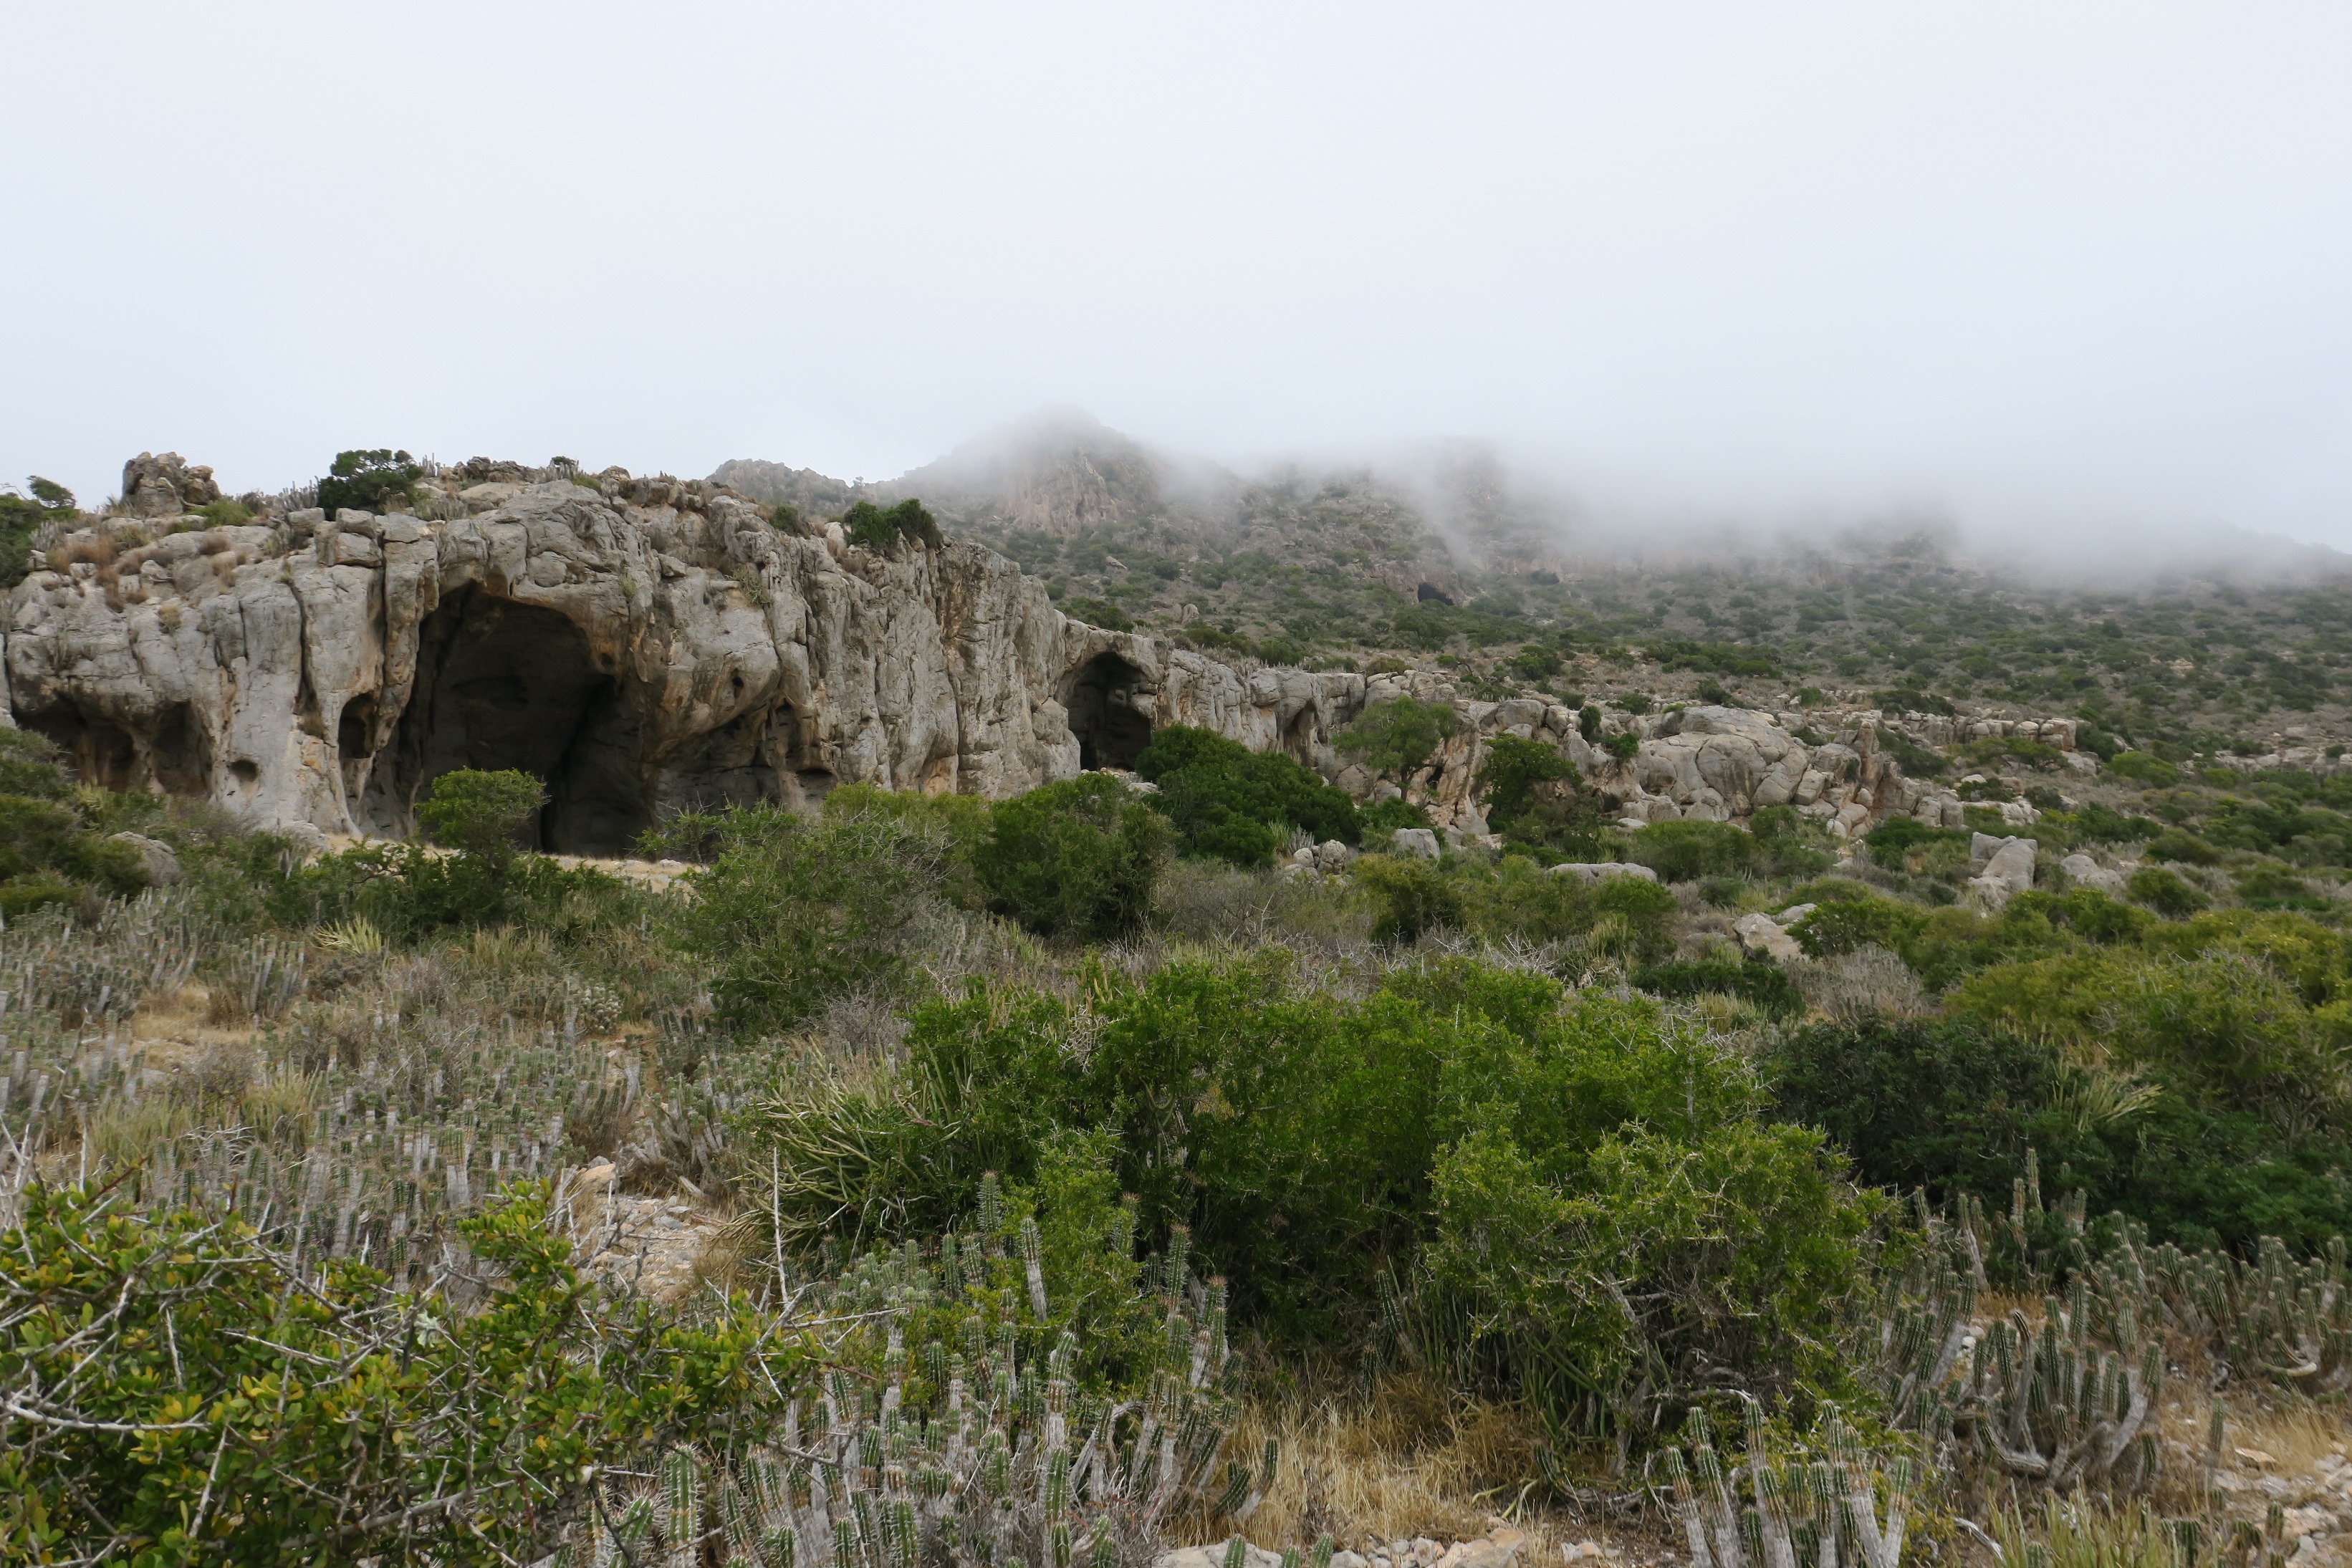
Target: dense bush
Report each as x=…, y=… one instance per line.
x=1685, y=851
x=1238, y=805
x=1954, y=1105
x=1397, y=736
x=1078, y=858
x=52, y=847
x=1511, y=899
x=1313, y=1142
x=369, y=481
x=1532, y=799
x=879, y=529
x=1756, y=980
x=21, y=517
x=205, y=1404
x=792, y=911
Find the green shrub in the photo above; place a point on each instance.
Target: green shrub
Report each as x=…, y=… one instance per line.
x=1588, y=723
x=480, y=814
x=1947, y=1106
x=1516, y=775
x=224, y=514
x=1416, y=897
x=2153, y=772
x=791, y=913
x=51, y=846
x=1916, y=760
x=1078, y=858
x=1895, y=840
x=2104, y=824
x=367, y=481
x=1736, y=1247
x=1532, y=799
x=1623, y=748
x=1954, y=1105
x=1098, y=612
x=1314, y=1143
x=207, y=1405
x=1235, y=804
x=2175, y=844
x=22, y=516
x=1398, y=737
x=1380, y=821
x=1866, y=921
x=1685, y=851
x=870, y=525
x=1756, y=980
x=962, y=821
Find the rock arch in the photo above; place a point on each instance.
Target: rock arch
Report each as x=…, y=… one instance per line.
x=501, y=684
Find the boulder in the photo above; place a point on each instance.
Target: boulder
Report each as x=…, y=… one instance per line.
x=1418, y=843
x=2005, y=868
x=1591, y=873
x=162, y=867
x=165, y=486
x=1333, y=855
x=1762, y=934
x=2084, y=872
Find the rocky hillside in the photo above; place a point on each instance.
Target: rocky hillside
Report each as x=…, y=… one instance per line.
x=1510, y=593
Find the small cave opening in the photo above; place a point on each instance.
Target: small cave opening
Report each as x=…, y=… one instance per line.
x=99, y=750
x=1299, y=738
x=182, y=753
x=508, y=686
x=1101, y=704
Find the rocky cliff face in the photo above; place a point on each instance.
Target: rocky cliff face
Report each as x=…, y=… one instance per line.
x=643, y=645
x=653, y=645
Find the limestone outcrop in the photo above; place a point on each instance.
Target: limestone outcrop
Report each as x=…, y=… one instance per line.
x=645, y=646
x=651, y=646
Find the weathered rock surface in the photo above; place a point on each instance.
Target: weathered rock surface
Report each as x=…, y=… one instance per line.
x=155, y=857
x=2003, y=867
x=644, y=646
x=1764, y=934
x=649, y=646
x=1591, y=873
x=2084, y=872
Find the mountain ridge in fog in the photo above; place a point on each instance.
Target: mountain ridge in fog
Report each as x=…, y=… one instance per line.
x=1062, y=473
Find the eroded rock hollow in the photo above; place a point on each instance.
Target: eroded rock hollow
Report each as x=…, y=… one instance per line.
x=645, y=646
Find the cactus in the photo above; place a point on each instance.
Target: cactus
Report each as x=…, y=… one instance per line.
x=1824, y=1513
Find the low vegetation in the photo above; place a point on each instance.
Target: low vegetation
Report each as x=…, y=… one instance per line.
x=1054, y=1154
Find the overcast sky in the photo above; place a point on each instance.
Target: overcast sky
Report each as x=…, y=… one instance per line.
x=2045, y=264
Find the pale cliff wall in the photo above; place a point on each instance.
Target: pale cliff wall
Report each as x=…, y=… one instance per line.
x=644, y=645
x=649, y=646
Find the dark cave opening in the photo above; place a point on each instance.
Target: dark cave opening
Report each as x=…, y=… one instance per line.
x=508, y=686
x=99, y=751
x=1101, y=704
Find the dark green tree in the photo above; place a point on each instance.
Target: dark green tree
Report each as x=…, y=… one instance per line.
x=366, y=480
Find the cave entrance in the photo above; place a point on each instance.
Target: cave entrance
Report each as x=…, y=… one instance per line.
x=1110, y=732
x=99, y=752
x=500, y=686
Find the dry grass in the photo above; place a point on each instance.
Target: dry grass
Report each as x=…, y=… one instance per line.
x=1405, y=1460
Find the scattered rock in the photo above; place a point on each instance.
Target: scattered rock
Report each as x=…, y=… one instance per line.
x=155, y=857
x=1418, y=842
x=165, y=487
x=1762, y=934
x=1593, y=873
x=2004, y=867
x=2084, y=872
